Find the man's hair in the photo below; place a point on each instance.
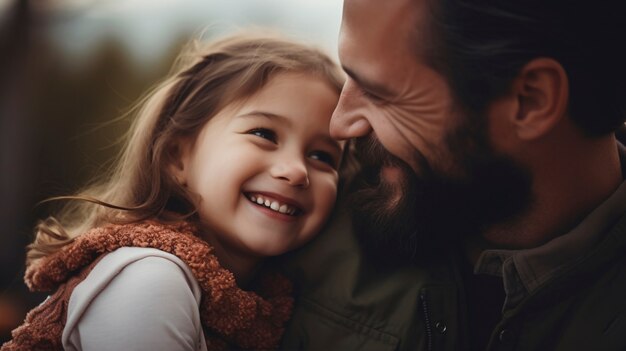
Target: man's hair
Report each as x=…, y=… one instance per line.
x=480, y=47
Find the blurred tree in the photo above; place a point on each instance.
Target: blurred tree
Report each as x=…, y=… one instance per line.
x=16, y=153
x=59, y=126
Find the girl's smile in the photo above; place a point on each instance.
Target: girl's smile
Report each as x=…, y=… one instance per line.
x=276, y=203
x=277, y=218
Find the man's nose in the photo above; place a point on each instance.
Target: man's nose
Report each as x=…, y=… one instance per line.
x=292, y=170
x=347, y=120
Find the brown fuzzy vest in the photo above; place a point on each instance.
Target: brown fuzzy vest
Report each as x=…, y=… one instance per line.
x=231, y=317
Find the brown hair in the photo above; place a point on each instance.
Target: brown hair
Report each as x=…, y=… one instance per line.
x=205, y=78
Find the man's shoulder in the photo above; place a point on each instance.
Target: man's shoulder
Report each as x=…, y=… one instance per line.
x=342, y=295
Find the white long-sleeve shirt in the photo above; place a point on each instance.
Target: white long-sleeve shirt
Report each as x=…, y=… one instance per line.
x=135, y=299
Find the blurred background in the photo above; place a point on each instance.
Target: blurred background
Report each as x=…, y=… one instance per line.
x=70, y=68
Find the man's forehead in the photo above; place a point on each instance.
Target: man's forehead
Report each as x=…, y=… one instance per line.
x=377, y=33
x=359, y=11
x=380, y=24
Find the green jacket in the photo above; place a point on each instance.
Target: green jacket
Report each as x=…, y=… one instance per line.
x=345, y=303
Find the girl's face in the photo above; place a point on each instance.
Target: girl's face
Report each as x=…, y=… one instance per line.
x=265, y=171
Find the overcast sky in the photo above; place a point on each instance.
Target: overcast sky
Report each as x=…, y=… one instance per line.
x=148, y=27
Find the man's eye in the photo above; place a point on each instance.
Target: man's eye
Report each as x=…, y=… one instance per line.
x=264, y=133
x=324, y=157
x=373, y=98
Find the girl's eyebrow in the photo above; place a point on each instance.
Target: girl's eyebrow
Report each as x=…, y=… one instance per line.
x=332, y=143
x=272, y=116
x=268, y=115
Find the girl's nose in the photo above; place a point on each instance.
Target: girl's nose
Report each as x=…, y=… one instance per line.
x=294, y=172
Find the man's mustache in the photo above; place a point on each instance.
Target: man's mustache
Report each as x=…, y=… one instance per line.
x=371, y=154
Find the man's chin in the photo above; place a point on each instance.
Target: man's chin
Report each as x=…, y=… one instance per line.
x=383, y=215
x=382, y=198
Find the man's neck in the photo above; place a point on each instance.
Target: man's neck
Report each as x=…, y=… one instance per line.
x=568, y=183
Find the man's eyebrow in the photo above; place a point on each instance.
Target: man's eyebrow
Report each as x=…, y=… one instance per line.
x=369, y=86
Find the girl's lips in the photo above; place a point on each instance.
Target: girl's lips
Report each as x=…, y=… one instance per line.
x=292, y=216
x=275, y=202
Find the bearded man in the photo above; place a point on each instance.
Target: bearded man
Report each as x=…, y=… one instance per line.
x=490, y=207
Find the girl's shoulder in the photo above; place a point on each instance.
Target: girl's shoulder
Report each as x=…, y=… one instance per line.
x=144, y=268
x=135, y=294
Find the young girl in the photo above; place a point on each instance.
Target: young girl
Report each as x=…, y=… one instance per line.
x=229, y=161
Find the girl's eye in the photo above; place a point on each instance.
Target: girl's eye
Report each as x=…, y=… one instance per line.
x=324, y=157
x=264, y=133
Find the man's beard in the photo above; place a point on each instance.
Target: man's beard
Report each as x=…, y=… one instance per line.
x=417, y=217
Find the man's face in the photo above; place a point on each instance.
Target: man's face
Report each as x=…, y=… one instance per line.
x=429, y=170
x=406, y=103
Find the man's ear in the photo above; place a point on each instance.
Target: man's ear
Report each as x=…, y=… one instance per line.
x=542, y=91
x=179, y=153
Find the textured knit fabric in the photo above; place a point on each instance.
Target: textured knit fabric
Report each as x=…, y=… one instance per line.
x=231, y=317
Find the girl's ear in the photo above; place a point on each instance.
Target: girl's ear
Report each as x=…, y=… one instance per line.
x=178, y=154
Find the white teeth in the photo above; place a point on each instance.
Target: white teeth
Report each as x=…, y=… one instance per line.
x=274, y=205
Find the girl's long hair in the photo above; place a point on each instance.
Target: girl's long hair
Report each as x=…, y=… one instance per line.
x=205, y=78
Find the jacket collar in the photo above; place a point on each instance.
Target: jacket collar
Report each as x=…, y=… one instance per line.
x=525, y=271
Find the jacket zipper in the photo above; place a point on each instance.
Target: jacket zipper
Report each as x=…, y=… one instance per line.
x=429, y=332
